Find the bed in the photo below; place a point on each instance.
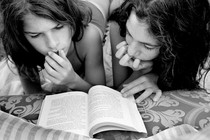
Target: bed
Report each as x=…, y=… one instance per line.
x=173, y=109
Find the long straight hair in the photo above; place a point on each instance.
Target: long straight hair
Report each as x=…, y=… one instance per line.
x=22, y=53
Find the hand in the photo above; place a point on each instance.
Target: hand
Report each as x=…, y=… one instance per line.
x=147, y=84
x=126, y=60
x=58, y=69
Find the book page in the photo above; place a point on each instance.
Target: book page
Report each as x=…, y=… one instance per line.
x=65, y=111
x=108, y=107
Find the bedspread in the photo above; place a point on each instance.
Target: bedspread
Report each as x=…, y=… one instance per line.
x=174, y=108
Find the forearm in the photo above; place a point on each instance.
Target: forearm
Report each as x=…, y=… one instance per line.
x=132, y=77
x=79, y=84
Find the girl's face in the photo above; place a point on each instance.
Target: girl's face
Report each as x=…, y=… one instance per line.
x=141, y=44
x=46, y=35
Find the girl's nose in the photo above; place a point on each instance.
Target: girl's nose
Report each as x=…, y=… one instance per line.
x=52, y=41
x=133, y=50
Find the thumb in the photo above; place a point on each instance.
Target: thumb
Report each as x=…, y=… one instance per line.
x=144, y=65
x=62, y=54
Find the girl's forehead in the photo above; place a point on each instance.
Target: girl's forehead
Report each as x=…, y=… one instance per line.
x=33, y=23
x=139, y=29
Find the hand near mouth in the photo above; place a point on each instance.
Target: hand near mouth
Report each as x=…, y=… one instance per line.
x=58, y=69
x=129, y=61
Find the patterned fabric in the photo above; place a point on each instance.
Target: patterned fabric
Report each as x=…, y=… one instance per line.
x=173, y=133
x=23, y=106
x=202, y=135
x=14, y=128
x=182, y=132
x=173, y=109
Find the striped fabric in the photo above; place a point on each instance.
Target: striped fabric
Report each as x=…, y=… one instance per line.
x=14, y=128
x=202, y=135
x=176, y=133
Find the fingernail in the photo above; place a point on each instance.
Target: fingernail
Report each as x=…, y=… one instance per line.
x=122, y=91
x=138, y=101
x=39, y=68
x=124, y=95
x=50, y=53
x=124, y=85
x=155, y=99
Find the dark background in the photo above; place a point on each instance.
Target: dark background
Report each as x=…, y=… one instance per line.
x=1, y=46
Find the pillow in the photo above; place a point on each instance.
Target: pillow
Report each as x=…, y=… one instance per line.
x=14, y=128
x=10, y=83
x=173, y=132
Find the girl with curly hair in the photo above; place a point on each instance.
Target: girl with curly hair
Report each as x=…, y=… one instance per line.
x=168, y=38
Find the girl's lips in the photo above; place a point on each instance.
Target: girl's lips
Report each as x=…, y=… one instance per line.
x=56, y=51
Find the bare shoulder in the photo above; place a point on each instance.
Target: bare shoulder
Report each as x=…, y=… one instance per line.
x=91, y=40
x=115, y=4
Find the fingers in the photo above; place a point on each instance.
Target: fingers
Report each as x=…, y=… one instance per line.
x=50, y=72
x=157, y=95
x=122, y=49
x=59, y=57
x=63, y=55
x=136, y=64
x=49, y=76
x=144, y=65
x=121, y=44
x=132, y=85
x=148, y=92
x=145, y=84
x=125, y=60
x=132, y=90
x=54, y=65
x=144, y=95
x=119, y=54
x=56, y=60
x=50, y=63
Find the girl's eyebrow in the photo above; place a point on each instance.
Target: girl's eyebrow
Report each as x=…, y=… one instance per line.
x=26, y=32
x=145, y=43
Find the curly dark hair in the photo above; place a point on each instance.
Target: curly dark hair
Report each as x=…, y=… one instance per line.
x=22, y=53
x=181, y=28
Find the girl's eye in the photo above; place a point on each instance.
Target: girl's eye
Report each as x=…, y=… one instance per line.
x=59, y=26
x=148, y=47
x=35, y=35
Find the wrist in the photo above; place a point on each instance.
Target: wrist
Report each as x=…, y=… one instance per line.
x=74, y=82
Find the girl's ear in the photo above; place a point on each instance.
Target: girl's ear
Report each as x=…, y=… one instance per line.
x=72, y=31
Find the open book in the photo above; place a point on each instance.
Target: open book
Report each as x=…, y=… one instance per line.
x=102, y=109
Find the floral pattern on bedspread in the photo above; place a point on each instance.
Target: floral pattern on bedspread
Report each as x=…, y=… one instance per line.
x=24, y=106
x=174, y=108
